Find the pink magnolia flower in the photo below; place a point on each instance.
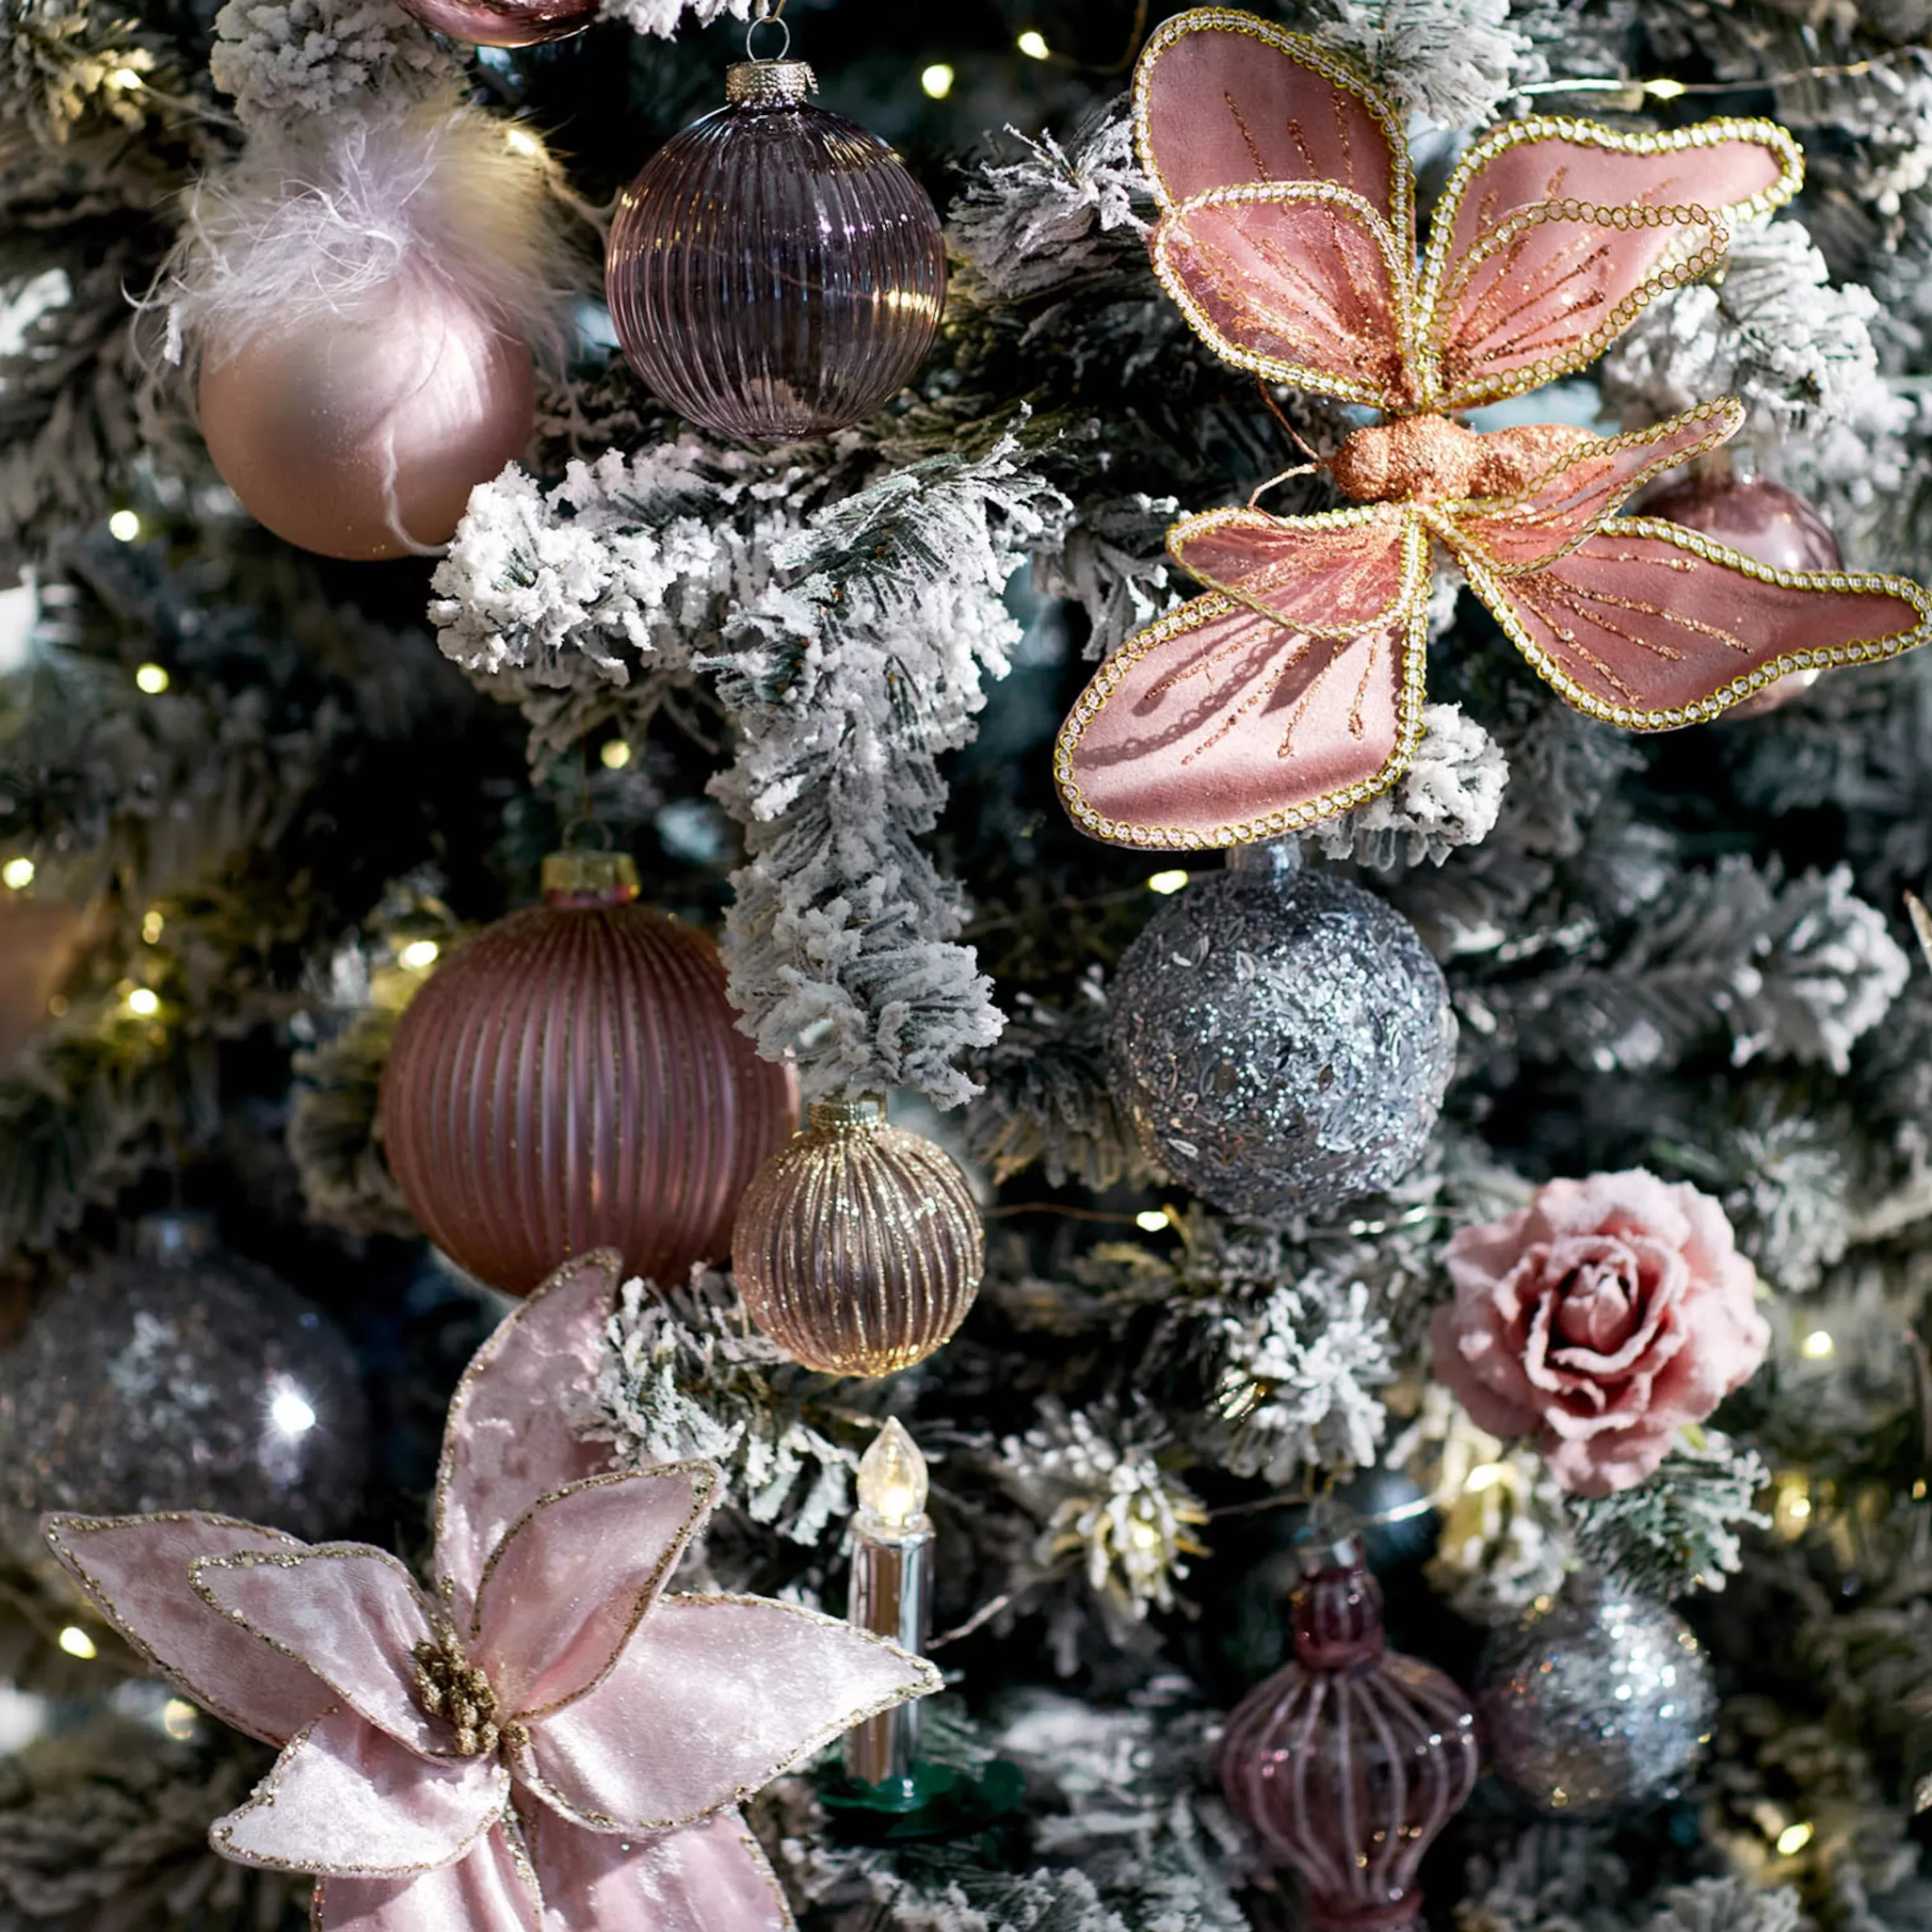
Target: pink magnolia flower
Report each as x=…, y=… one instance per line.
x=1602, y=1317
x=549, y=1742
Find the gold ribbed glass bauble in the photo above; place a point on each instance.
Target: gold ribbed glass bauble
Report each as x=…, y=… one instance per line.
x=858, y=1248
x=574, y=1078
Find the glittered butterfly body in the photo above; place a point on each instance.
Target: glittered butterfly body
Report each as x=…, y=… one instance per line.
x=1292, y=690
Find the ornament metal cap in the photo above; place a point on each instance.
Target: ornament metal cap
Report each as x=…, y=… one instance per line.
x=589, y=878
x=769, y=83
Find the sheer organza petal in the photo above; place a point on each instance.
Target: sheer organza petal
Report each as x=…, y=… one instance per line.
x=1296, y=284
x=710, y=1700
x=492, y=1890
x=1220, y=98
x=1651, y=625
x=567, y=1586
x=1568, y=501
x=707, y=1877
x=1328, y=576
x=352, y=1614
x=346, y=1798
x=1220, y=724
x=509, y=1440
x=137, y=1568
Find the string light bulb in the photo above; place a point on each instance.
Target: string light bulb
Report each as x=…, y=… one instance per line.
x=17, y=874
x=151, y=679
x=615, y=755
x=77, y=1642
x=1817, y=1344
x=1167, y=883
x=1032, y=44
x=419, y=954
x=1151, y=1220
x=124, y=527
x=937, y=80
x=143, y=1002
x=892, y=1482
x=1794, y=1838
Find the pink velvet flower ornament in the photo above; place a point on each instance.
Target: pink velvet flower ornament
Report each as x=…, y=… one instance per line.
x=548, y=1742
x=1292, y=690
x=1603, y=1317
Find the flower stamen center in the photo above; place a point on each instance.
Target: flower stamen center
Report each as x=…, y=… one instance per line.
x=449, y=1686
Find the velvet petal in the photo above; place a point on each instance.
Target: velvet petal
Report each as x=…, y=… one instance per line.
x=492, y=1890
x=707, y=1877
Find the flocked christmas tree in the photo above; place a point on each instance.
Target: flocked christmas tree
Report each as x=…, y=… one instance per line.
x=1384, y=1191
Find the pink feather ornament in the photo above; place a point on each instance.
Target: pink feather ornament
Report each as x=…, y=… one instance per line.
x=1292, y=691
x=545, y=1740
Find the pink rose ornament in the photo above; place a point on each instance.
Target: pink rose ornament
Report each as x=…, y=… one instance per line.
x=545, y=1741
x=1601, y=1319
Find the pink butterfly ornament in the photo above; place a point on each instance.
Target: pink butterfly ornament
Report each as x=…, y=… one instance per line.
x=1292, y=690
x=548, y=1742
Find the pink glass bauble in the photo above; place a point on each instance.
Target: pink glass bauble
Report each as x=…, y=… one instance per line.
x=775, y=271
x=573, y=1078
x=1348, y=1761
x=858, y=1248
x=1766, y=522
x=359, y=432
x=505, y=23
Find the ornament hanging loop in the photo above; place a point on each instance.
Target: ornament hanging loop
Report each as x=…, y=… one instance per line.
x=767, y=13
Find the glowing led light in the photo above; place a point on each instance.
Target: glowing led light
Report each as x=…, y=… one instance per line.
x=77, y=1642
x=1918, y=1490
x=1817, y=1344
x=615, y=755
x=419, y=954
x=144, y=1002
x=1151, y=1220
x=17, y=873
x=1798, y=1508
x=1165, y=882
x=1033, y=45
x=291, y=1413
x=1664, y=90
x=1794, y=1838
x=892, y=1479
x=151, y=924
x=124, y=525
x=937, y=80
x=1485, y=1476
x=126, y=78
x=1143, y=1536
x=519, y=141
x=178, y=1718
x=152, y=679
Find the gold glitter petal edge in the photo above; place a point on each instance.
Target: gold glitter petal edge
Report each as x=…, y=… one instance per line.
x=608, y=1259
x=1415, y=559
x=1495, y=597
x=1277, y=368
x=929, y=1681
x=1190, y=616
x=1589, y=133
x=1304, y=53
x=264, y=1795
x=55, y=1527
x=710, y=1479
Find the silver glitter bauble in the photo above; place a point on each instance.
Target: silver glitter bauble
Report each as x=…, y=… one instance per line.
x=182, y=1378
x=1279, y=1040
x=1595, y=1699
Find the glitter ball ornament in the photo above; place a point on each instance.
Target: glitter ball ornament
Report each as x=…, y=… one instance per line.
x=505, y=23
x=858, y=1248
x=775, y=271
x=181, y=1378
x=1596, y=1700
x=1279, y=1040
x=573, y=1078
x=1349, y=1761
x=1764, y=520
x=360, y=431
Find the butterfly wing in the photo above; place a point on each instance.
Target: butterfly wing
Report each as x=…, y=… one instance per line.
x=1650, y=626
x=1552, y=235
x=1222, y=99
x=1231, y=719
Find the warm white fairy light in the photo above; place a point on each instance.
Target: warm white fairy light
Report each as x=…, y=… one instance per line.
x=77, y=1642
x=419, y=954
x=1151, y=1220
x=124, y=525
x=151, y=679
x=17, y=874
x=1166, y=883
x=615, y=755
x=143, y=1002
x=1033, y=46
x=937, y=80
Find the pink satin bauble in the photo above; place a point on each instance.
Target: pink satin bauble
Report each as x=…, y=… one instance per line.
x=360, y=431
x=505, y=23
x=1770, y=525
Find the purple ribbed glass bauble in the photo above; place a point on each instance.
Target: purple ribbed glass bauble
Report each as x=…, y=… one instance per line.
x=1348, y=1761
x=775, y=271
x=573, y=1078
x=1769, y=524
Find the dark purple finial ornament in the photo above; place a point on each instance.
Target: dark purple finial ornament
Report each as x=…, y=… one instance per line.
x=1348, y=1761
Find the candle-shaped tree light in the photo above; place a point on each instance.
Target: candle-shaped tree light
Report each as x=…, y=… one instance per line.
x=891, y=1596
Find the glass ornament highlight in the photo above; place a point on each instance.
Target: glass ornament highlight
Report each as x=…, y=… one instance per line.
x=775, y=271
x=858, y=1248
x=504, y=22
x=1349, y=1761
x=573, y=1078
